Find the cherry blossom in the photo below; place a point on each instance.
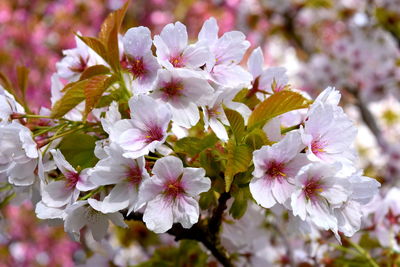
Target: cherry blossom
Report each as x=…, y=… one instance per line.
x=271, y=80
x=329, y=135
x=85, y=213
x=66, y=191
x=170, y=194
x=226, y=54
x=77, y=60
x=139, y=59
x=145, y=131
x=128, y=176
x=173, y=50
x=19, y=154
x=8, y=106
x=184, y=92
x=274, y=170
x=214, y=115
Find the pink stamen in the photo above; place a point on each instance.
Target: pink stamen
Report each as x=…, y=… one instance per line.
x=137, y=67
x=81, y=66
x=177, y=61
x=154, y=133
x=173, y=189
x=172, y=89
x=134, y=175
x=72, y=179
x=317, y=147
x=275, y=170
x=312, y=189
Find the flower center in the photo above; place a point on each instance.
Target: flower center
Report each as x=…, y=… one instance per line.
x=81, y=66
x=317, y=147
x=137, y=67
x=72, y=179
x=134, y=175
x=275, y=170
x=177, y=61
x=154, y=133
x=172, y=89
x=173, y=189
x=213, y=112
x=312, y=189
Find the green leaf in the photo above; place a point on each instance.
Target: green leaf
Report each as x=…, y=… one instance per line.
x=277, y=104
x=207, y=199
x=208, y=161
x=78, y=150
x=244, y=97
x=94, y=89
x=193, y=145
x=239, y=205
x=236, y=123
x=238, y=160
x=94, y=71
x=256, y=139
x=72, y=97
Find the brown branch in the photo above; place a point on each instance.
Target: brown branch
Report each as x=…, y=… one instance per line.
x=215, y=222
x=208, y=236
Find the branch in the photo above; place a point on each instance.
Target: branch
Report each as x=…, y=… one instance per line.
x=199, y=233
x=215, y=222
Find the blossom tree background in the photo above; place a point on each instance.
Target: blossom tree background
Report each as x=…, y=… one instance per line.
x=193, y=133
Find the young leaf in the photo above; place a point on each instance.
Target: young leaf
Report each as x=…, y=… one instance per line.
x=72, y=97
x=193, y=145
x=239, y=205
x=246, y=98
x=239, y=158
x=96, y=45
x=94, y=71
x=256, y=139
x=78, y=150
x=277, y=104
x=109, y=35
x=94, y=89
x=22, y=79
x=236, y=122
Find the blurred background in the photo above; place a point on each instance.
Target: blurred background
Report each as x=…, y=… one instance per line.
x=352, y=45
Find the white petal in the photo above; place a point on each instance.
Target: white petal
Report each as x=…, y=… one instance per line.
x=55, y=194
x=261, y=191
x=158, y=215
x=137, y=41
x=256, y=62
x=186, y=211
x=298, y=204
x=168, y=168
x=194, y=182
x=219, y=129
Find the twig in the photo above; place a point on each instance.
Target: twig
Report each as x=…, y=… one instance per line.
x=216, y=219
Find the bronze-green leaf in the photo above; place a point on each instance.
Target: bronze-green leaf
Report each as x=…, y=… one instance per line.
x=277, y=104
x=238, y=160
x=94, y=71
x=236, y=123
x=94, y=89
x=96, y=45
x=109, y=35
x=72, y=97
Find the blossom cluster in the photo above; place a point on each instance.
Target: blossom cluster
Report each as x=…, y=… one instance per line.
x=131, y=124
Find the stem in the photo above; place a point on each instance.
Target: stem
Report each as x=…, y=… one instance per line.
x=48, y=130
x=363, y=252
x=54, y=137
